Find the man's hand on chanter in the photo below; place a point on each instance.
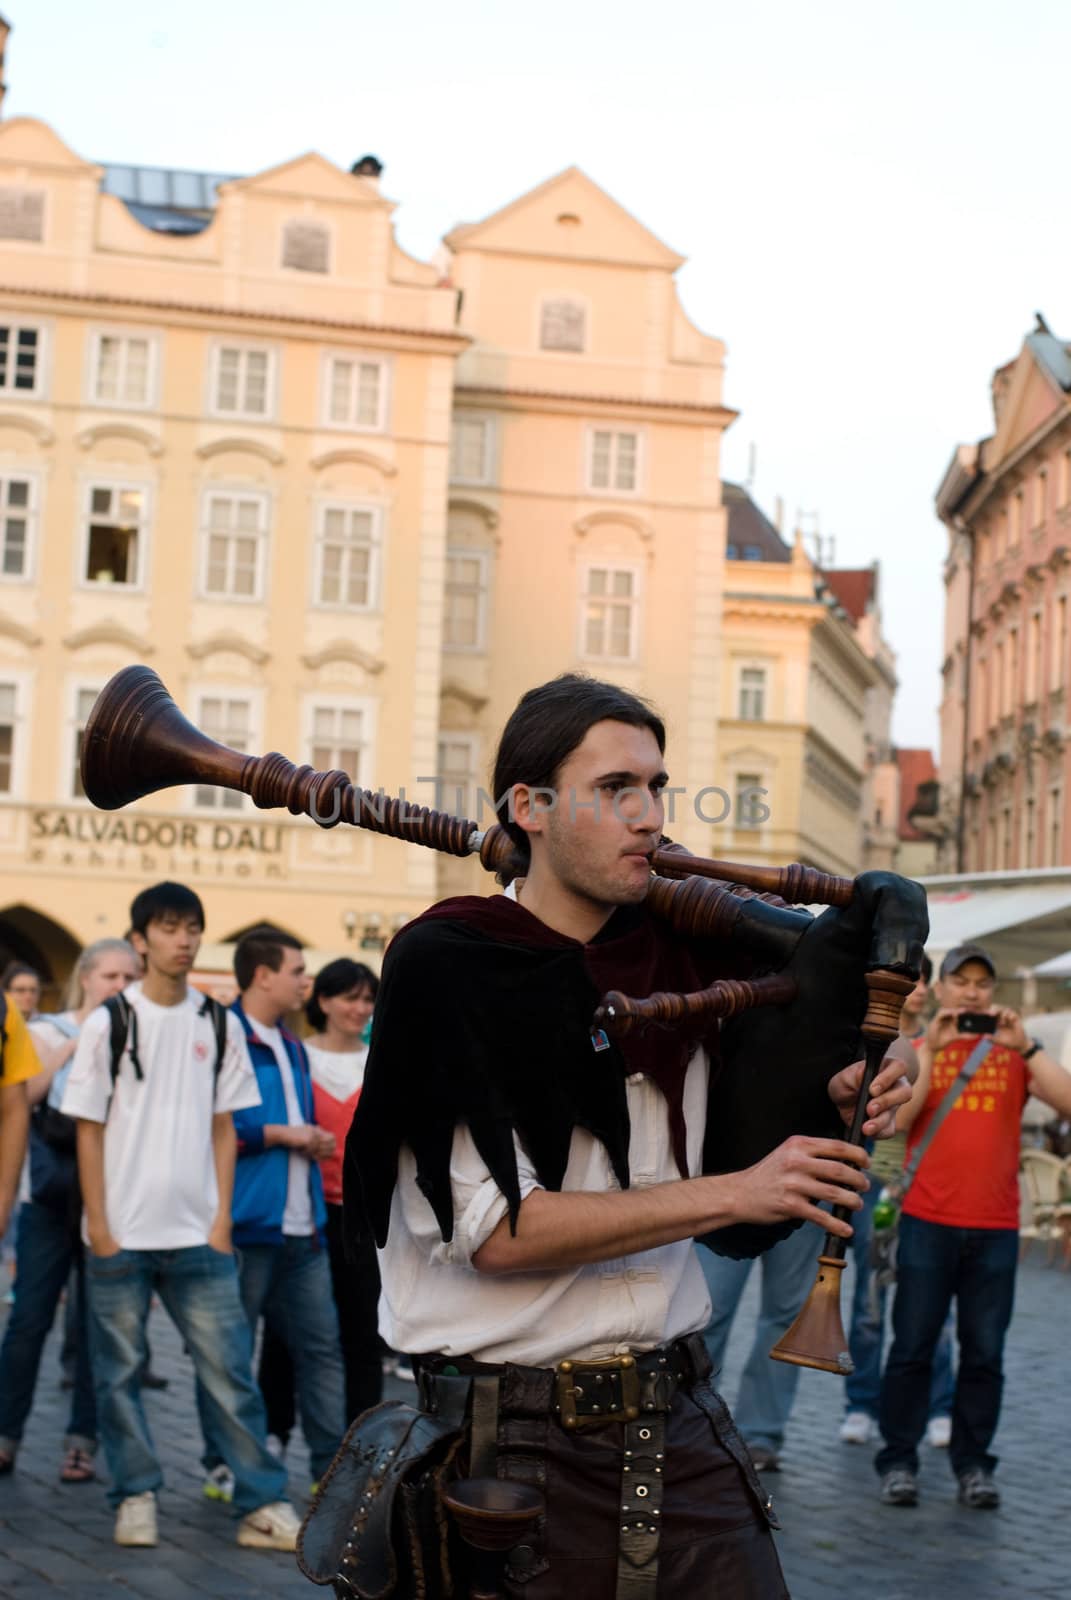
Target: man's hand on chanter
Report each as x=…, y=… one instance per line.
x=794, y=1179
x=890, y=1090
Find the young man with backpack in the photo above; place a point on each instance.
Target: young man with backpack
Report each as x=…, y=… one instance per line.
x=279, y=1212
x=157, y=1074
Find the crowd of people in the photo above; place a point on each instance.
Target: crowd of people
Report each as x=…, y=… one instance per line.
x=187, y=1153
x=204, y=1148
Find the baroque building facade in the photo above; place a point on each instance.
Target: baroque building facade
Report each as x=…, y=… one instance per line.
x=1002, y=797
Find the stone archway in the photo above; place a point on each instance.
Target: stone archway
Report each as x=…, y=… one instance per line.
x=44, y=944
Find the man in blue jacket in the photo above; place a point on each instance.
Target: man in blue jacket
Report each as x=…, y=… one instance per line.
x=278, y=1212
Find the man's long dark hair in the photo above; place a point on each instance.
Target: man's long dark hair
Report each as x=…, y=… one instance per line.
x=548, y=725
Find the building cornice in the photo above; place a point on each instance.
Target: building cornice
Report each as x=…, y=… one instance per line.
x=440, y=338
x=556, y=399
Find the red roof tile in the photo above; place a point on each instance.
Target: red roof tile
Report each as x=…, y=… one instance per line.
x=853, y=587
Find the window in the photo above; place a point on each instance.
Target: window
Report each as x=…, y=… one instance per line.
x=22, y=214
x=1059, y=645
x=122, y=369
x=613, y=461
x=1006, y=852
x=1011, y=693
x=228, y=719
x=1033, y=659
x=1029, y=831
x=610, y=613
x=1016, y=534
x=18, y=519
x=457, y=775
x=346, y=564
x=996, y=685
x=8, y=703
x=21, y=359
x=234, y=537
x=751, y=699
x=306, y=246
x=731, y=553
x=1056, y=806
x=752, y=552
x=465, y=600
x=471, y=441
x=1065, y=478
x=562, y=325
x=116, y=530
x=84, y=701
x=1041, y=496
x=242, y=382
x=748, y=802
x=356, y=392
x=337, y=739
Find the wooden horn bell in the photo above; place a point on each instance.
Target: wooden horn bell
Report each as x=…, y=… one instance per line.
x=817, y=1337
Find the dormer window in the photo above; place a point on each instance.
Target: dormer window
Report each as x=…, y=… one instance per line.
x=563, y=326
x=306, y=247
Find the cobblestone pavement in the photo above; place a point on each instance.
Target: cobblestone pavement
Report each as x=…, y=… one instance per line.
x=836, y=1540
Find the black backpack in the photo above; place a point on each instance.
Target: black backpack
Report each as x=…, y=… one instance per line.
x=124, y=1034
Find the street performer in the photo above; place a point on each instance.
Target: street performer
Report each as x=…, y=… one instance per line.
x=535, y=1187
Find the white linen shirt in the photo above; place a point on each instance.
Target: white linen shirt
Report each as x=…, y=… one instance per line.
x=434, y=1299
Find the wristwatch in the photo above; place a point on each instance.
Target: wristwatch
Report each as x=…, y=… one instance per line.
x=1035, y=1046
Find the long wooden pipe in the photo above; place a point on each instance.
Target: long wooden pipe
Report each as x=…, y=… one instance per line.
x=137, y=742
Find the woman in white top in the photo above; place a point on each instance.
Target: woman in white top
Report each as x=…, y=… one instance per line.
x=339, y=1011
x=48, y=1244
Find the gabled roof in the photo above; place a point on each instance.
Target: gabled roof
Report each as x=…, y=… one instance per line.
x=750, y=535
x=916, y=767
x=568, y=217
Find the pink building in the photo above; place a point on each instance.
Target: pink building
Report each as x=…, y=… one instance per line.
x=1006, y=502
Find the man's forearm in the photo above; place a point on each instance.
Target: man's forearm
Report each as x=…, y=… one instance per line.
x=575, y=1229
x=91, y=1177
x=224, y=1156
x=14, y=1129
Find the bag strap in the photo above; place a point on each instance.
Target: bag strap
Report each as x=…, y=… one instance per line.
x=218, y=1013
x=955, y=1089
x=124, y=1035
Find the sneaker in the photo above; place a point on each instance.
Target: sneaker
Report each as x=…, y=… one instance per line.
x=899, y=1488
x=939, y=1433
x=857, y=1428
x=276, y=1445
x=977, y=1490
x=219, y=1485
x=273, y=1527
x=765, y=1459
x=135, y=1521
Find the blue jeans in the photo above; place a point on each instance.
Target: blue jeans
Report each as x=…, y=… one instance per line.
x=289, y=1285
x=767, y=1388
x=46, y=1249
x=936, y=1263
x=199, y=1289
x=862, y=1390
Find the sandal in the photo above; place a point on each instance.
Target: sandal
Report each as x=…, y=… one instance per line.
x=77, y=1467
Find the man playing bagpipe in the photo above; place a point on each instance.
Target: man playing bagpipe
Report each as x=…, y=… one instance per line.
x=535, y=1187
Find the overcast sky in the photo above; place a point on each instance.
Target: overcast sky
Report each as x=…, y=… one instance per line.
x=873, y=199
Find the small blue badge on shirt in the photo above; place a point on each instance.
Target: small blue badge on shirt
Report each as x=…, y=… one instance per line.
x=599, y=1040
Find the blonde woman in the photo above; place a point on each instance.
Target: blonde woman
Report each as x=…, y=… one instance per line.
x=47, y=1243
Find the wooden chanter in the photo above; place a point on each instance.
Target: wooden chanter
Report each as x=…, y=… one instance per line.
x=817, y=1337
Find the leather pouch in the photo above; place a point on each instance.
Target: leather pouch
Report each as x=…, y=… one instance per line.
x=375, y=1529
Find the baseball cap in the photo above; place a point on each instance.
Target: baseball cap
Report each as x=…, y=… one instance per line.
x=957, y=958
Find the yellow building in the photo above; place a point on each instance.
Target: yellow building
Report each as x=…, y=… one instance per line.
x=794, y=697
x=226, y=450
x=224, y=439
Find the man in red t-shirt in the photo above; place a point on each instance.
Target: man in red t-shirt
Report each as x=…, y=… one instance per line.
x=959, y=1230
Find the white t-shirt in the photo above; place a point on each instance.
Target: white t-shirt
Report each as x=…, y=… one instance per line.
x=160, y=1189
x=297, y=1213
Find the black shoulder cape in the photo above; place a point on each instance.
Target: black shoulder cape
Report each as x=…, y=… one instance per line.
x=484, y=1018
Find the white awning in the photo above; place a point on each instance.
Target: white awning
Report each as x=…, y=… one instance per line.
x=1022, y=918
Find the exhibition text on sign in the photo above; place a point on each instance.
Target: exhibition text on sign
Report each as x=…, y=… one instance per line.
x=144, y=844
